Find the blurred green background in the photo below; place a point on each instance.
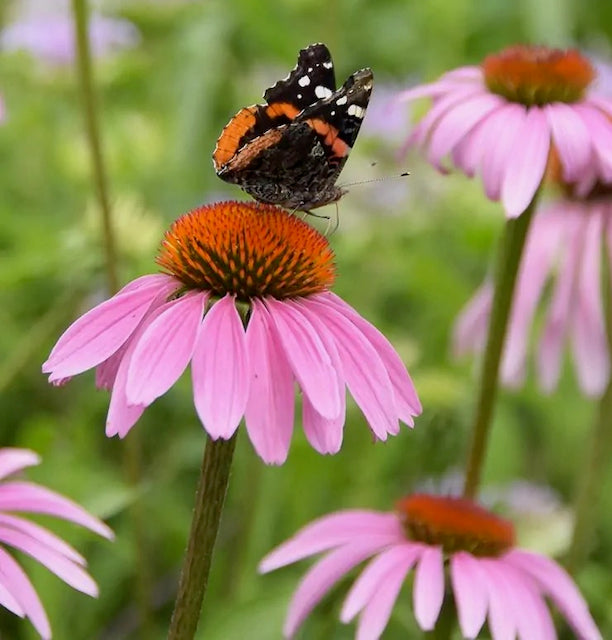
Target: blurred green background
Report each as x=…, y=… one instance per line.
x=410, y=252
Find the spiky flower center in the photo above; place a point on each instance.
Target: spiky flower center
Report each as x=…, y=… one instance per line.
x=247, y=249
x=455, y=524
x=538, y=75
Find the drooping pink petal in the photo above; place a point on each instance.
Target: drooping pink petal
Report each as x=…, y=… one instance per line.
x=220, y=370
x=527, y=162
x=320, y=579
x=502, y=618
x=600, y=132
x=557, y=584
x=332, y=531
x=501, y=135
x=540, y=251
x=377, y=611
x=270, y=406
x=470, y=330
x=589, y=337
x=9, y=602
x=469, y=592
x=95, y=336
x=106, y=372
x=406, y=397
x=428, y=587
x=32, y=498
x=457, y=122
x=571, y=139
x=13, y=460
x=310, y=362
x=323, y=434
x=164, y=349
x=364, y=371
x=43, y=536
x=15, y=581
x=557, y=320
x=376, y=573
x=70, y=572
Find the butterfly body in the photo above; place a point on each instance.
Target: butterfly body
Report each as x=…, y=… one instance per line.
x=291, y=150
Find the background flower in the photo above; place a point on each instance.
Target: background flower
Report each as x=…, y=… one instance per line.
x=16, y=591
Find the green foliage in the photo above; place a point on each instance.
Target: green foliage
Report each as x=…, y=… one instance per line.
x=406, y=264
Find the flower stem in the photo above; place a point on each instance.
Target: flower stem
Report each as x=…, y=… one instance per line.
x=594, y=471
x=131, y=458
x=509, y=258
x=210, y=495
x=90, y=108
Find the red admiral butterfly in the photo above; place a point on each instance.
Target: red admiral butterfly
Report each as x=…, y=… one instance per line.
x=291, y=150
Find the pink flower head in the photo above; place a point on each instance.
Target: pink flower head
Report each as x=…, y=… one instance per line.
x=502, y=118
x=16, y=591
x=228, y=265
x=49, y=36
x=489, y=576
x=564, y=246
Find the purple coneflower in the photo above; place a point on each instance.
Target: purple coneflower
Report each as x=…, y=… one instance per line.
x=16, y=591
x=245, y=299
x=49, y=35
x=441, y=538
x=564, y=246
x=502, y=118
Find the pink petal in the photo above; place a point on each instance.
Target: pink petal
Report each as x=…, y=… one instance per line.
x=502, y=617
x=122, y=415
x=377, y=611
x=540, y=250
x=106, y=372
x=364, y=371
x=457, y=123
x=324, y=435
x=270, y=405
x=44, y=536
x=555, y=328
x=220, y=370
x=501, y=136
x=600, y=131
x=428, y=589
x=526, y=163
x=164, y=349
x=406, y=397
x=570, y=137
x=557, y=584
x=32, y=498
x=13, y=460
x=374, y=575
x=8, y=601
x=470, y=329
x=589, y=338
x=96, y=335
x=332, y=531
x=310, y=362
x=469, y=592
x=321, y=578
x=15, y=581
x=71, y=573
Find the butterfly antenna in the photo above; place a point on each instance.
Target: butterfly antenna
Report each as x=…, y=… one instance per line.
x=354, y=184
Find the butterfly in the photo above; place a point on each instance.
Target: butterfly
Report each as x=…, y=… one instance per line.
x=291, y=150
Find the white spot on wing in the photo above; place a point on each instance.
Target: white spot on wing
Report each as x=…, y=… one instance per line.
x=341, y=101
x=322, y=92
x=304, y=81
x=356, y=111
x=328, y=65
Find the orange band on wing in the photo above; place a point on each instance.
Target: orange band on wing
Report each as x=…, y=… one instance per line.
x=230, y=137
x=338, y=146
x=279, y=109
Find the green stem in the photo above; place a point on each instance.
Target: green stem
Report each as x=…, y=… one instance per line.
x=131, y=459
x=210, y=495
x=90, y=107
x=600, y=448
x=509, y=258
